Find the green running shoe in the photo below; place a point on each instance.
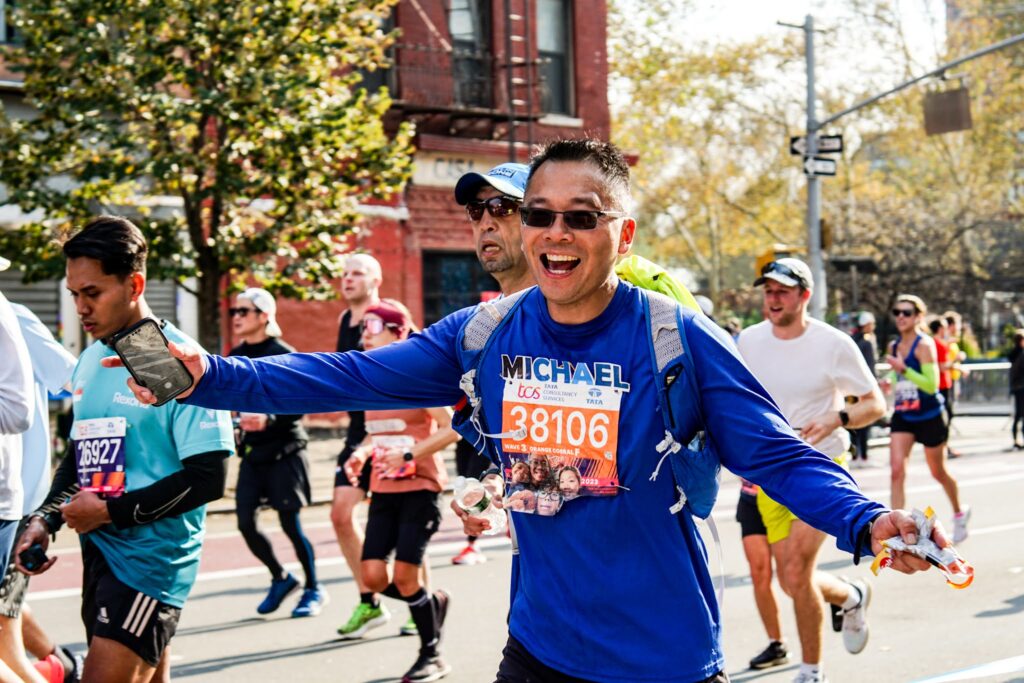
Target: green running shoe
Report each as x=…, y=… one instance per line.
x=364, y=617
x=409, y=628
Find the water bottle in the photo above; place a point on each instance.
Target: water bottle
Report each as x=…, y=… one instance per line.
x=473, y=498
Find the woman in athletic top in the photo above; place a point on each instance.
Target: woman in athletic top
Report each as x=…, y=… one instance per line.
x=407, y=479
x=918, y=414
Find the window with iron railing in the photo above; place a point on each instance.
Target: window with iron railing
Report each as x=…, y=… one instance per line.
x=451, y=281
x=554, y=48
x=469, y=24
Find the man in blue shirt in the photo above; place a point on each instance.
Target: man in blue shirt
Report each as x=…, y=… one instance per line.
x=613, y=587
x=141, y=516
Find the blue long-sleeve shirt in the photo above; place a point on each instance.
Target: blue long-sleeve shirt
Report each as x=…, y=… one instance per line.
x=611, y=588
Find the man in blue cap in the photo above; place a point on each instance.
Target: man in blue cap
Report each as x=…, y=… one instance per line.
x=492, y=201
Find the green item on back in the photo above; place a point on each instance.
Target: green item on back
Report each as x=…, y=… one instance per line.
x=648, y=275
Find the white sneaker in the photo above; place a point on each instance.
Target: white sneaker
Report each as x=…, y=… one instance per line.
x=804, y=677
x=855, y=619
x=960, y=521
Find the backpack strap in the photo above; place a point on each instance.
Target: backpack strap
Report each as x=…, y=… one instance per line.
x=695, y=467
x=474, y=339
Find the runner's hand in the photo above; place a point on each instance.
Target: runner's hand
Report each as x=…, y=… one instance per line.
x=900, y=522
x=896, y=363
x=473, y=525
x=820, y=427
x=35, y=532
x=190, y=356
x=354, y=465
x=85, y=512
x=252, y=422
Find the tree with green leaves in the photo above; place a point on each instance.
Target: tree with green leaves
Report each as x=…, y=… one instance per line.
x=245, y=118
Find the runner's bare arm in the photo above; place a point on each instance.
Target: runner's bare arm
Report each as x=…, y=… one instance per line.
x=865, y=411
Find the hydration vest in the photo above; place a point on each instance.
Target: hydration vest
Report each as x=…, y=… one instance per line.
x=695, y=467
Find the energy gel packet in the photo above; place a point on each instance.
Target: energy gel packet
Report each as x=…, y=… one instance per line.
x=959, y=574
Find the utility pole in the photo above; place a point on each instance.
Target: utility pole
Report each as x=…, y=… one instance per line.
x=817, y=261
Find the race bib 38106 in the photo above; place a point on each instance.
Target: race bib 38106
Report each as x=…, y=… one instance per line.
x=560, y=426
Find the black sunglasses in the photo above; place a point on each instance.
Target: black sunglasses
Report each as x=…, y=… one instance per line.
x=783, y=269
x=498, y=207
x=903, y=312
x=241, y=312
x=574, y=220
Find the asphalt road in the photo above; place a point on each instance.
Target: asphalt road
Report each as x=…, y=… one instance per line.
x=921, y=629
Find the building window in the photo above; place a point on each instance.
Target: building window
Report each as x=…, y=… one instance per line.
x=452, y=281
x=381, y=77
x=7, y=31
x=555, y=51
x=469, y=23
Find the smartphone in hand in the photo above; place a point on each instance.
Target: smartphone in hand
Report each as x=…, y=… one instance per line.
x=143, y=350
x=33, y=557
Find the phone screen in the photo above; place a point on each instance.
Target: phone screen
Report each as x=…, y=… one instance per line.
x=144, y=352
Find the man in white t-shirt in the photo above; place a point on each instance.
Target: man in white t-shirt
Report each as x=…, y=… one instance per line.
x=808, y=367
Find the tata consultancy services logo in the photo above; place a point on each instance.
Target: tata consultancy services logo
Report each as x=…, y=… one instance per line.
x=530, y=393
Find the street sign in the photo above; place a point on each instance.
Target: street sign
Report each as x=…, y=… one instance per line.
x=819, y=166
x=827, y=144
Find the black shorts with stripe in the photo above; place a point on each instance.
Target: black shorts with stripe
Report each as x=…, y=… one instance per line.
x=110, y=609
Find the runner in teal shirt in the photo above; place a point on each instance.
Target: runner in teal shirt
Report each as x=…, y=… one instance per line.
x=136, y=482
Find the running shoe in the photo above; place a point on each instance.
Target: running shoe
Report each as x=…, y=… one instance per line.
x=51, y=669
x=469, y=555
x=773, y=655
x=806, y=677
x=428, y=667
x=960, y=521
x=855, y=619
x=279, y=590
x=409, y=628
x=311, y=602
x=364, y=617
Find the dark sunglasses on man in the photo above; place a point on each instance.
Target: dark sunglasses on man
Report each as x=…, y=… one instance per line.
x=498, y=207
x=782, y=269
x=241, y=312
x=574, y=220
x=903, y=312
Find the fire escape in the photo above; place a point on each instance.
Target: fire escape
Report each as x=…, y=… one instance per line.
x=455, y=85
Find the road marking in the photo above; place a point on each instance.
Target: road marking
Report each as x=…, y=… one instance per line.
x=996, y=668
x=433, y=549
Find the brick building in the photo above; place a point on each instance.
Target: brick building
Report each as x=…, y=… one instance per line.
x=481, y=79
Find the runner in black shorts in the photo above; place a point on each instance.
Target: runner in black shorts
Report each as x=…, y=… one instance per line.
x=274, y=469
x=359, y=287
x=759, y=557
x=112, y=610
x=918, y=413
x=408, y=477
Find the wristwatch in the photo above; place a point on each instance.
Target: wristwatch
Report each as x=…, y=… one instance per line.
x=408, y=456
x=844, y=417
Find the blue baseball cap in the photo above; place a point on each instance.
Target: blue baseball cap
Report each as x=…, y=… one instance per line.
x=508, y=179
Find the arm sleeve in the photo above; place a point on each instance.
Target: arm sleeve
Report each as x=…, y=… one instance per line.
x=420, y=372
x=753, y=439
x=64, y=485
x=201, y=480
x=927, y=380
x=16, y=390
